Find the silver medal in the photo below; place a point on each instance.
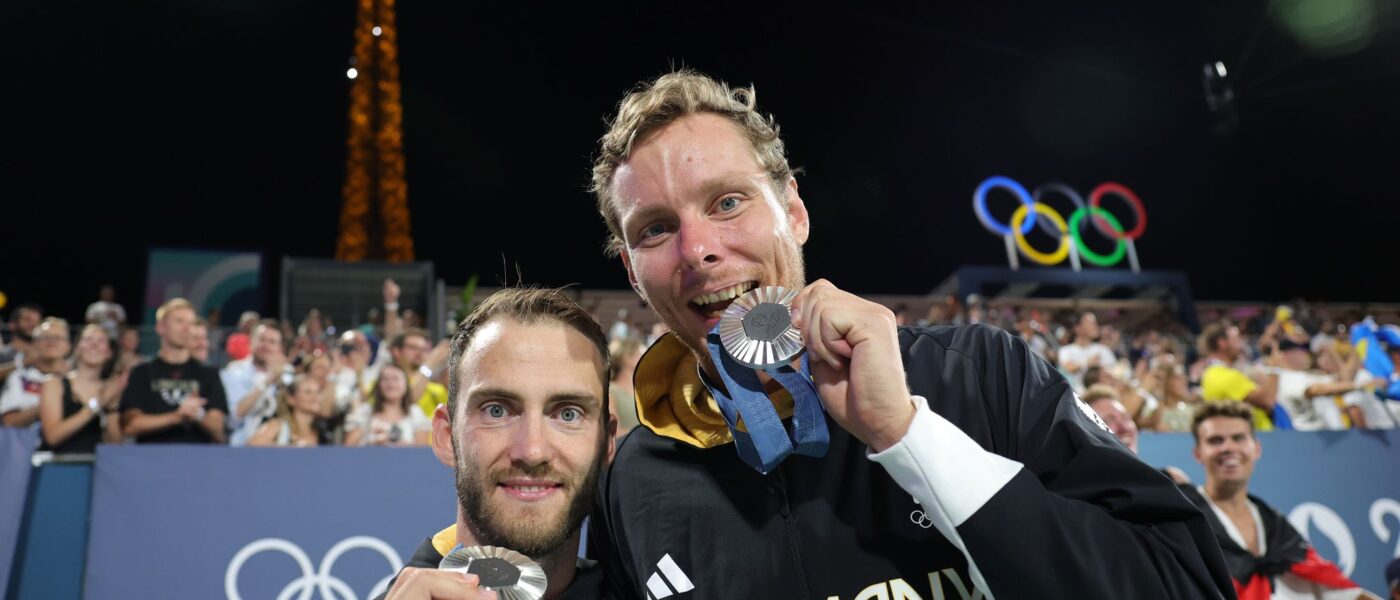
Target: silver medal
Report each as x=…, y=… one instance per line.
x=756, y=329
x=511, y=574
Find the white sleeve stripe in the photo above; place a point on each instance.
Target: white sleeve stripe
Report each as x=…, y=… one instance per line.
x=948, y=473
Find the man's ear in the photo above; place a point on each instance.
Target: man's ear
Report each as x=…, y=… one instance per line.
x=796, y=212
x=442, y=437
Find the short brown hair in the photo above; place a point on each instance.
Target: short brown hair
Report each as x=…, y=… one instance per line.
x=173, y=305
x=1093, y=375
x=1229, y=408
x=1210, y=337
x=528, y=306
x=669, y=97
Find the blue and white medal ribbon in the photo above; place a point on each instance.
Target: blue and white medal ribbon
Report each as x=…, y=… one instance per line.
x=756, y=333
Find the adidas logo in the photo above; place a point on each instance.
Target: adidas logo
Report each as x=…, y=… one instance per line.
x=667, y=580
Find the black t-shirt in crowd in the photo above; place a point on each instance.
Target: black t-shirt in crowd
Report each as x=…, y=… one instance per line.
x=158, y=387
x=82, y=441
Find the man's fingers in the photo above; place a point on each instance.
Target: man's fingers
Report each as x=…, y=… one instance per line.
x=807, y=295
x=815, y=338
x=833, y=322
x=432, y=584
x=813, y=321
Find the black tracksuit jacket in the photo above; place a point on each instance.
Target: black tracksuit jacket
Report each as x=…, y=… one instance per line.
x=1084, y=518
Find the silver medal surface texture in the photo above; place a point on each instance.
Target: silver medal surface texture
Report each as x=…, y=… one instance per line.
x=756, y=329
x=511, y=574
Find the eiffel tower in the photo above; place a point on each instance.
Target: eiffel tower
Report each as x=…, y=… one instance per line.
x=374, y=221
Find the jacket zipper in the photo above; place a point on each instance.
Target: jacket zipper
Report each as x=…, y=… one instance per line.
x=794, y=545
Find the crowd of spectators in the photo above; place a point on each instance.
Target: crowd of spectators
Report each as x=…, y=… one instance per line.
x=274, y=383
x=266, y=382
x=1297, y=369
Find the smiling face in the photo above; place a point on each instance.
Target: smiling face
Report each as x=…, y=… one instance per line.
x=267, y=343
x=94, y=347
x=1116, y=416
x=702, y=223
x=306, y=398
x=393, y=384
x=319, y=368
x=1227, y=448
x=529, y=437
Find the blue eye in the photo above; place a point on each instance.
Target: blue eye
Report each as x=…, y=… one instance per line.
x=729, y=203
x=496, y=411
x=653, y=231
x=571, y=415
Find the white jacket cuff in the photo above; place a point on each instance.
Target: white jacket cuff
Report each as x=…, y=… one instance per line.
x=944, y=469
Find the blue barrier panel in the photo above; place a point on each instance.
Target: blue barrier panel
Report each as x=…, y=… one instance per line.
x=206, y=522
x=15, y=448
x=1341, y=489
x=52, y=543
x=212, y=522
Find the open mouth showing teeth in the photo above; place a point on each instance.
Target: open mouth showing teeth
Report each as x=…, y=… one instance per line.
x=712, y=305
x=529, y=492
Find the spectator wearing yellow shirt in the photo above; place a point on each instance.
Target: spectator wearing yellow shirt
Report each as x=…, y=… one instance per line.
x=410, y=350
x=1221, y=381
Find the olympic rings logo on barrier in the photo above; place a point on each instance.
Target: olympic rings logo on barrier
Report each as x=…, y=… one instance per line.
x=1033, y=210
x=329, y=586
x=1314, y=515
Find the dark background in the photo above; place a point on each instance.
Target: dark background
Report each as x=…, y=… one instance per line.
x=222, y=124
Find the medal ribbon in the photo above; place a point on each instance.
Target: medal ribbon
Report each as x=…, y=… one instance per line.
x=767, y=441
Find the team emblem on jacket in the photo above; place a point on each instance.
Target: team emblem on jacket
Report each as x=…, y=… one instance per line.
x=919, y=517
x=1089, y=412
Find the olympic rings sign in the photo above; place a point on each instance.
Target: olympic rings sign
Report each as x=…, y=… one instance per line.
x=320, y=579
x=1033, y=210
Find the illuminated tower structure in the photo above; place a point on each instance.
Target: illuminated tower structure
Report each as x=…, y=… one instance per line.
x=374, y=221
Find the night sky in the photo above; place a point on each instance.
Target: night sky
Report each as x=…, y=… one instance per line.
x=222, y=124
